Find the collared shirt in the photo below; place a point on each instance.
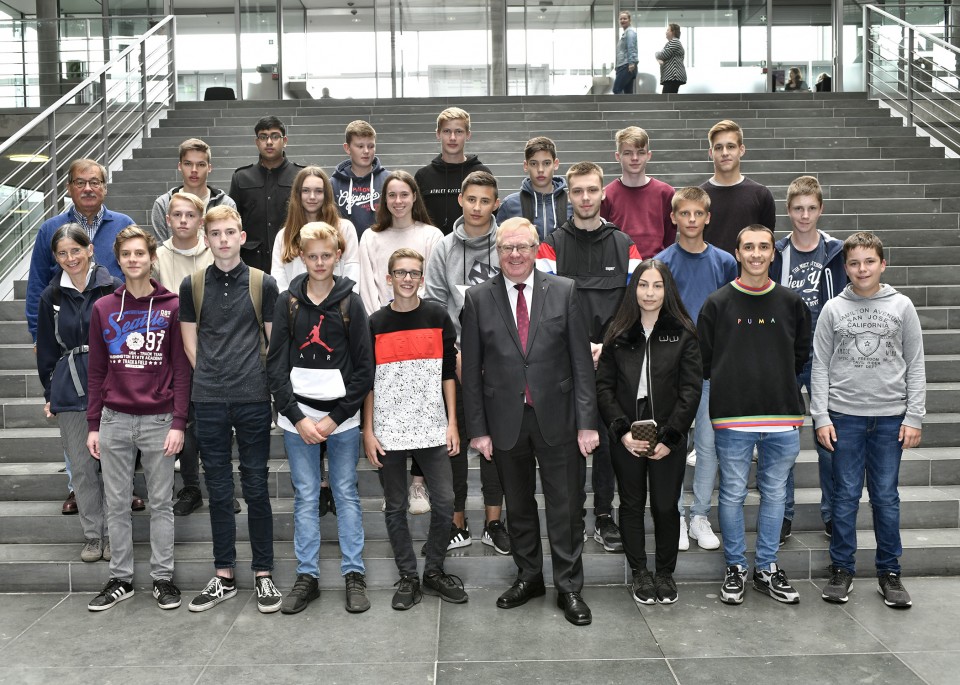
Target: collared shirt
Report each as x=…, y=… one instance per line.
x=67, y=282
x=513, y=294
x=90, y=227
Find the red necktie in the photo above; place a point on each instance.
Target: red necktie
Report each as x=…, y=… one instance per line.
x=523, y=328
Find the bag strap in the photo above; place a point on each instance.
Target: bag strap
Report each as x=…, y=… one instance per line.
x=197, y=281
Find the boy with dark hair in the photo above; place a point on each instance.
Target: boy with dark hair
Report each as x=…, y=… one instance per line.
x=699, y=269
x=415, y=352
x=736, y=201
x=358, y=181
x=462, y=259
x=195, y=166
x=868, y=404
x=809, y=262
x=599, y=259
x=542, y=198
x=236, y=303
x=261, y=192
x=139, y=387
x=638, y=204
x=441, y=181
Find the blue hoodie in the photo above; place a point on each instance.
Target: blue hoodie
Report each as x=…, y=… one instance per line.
x=544, y=206
x=358, y=197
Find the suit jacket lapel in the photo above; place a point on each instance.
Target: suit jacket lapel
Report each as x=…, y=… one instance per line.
x=540, y=286
x=503, y=306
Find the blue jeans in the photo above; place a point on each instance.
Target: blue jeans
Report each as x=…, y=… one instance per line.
x=868, y=444
x=824, y=462
x=343, y=450
x=777, y=454
x=623, y=83
x=251, y=421
x=705, y=472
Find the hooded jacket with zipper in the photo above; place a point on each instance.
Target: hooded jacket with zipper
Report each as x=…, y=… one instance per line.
x=314, y=365
x=358, y=197
x=599, y=262
x=137, y=362
x=674, y=380
x=547, y=210
x=74, y=328
x=161, y=207
x=459, y=261
x=440, y=184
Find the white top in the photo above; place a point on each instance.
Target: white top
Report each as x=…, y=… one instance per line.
x=375, y=250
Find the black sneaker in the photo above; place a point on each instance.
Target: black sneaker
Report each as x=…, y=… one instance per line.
x=217, y=590
x=642, y=588
x=731, y=592
x=495, y=535
x=326, y=502
x=269, y=598
x=459, y=537
x=356, y=601
x=828, y=528
x=114, y=591
x=786, y=530
x=408, y=593
x=607, y=534
x=838, y=589
x=236, y=506
x=666, y=588
x=894, y=594
x=305, y=590
x=166, y=593
x=774, y=583
x=189, y=499
x=447, y=587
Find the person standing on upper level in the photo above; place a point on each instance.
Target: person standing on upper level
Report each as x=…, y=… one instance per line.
x=261, y=192
x=626, y=57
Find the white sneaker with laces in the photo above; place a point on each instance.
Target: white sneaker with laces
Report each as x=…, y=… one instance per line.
x=702, y=532
x=419, y=498
x=684, y=540
x=692, y=457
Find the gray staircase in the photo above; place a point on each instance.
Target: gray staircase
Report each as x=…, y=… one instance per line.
x=876, y=174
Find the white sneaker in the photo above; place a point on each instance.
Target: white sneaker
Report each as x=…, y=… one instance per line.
x=684, y=540
x=419, y=499
x=692, y=457
x=176, y=466
x=701, y=531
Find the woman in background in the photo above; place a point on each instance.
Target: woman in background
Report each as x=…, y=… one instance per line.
x=672, y=72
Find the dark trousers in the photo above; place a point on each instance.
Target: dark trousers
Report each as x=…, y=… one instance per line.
x=623, y=83
x=562, y=493
x=671, y=86
x=666, y=477
x=601, y=476
x=435, y=464
x=189, y=456
x=489, y=480
x=251, y=421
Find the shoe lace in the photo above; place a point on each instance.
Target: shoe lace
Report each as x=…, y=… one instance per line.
x=838, y=576
x=266, y=587
x=165, y=587
x=301, y=587
x=448, y=580
x=779, y=578
x=893, y=582
x=665, y=581
x=419, y=490
x=214, y=587
x=112, y=585
x=734, y=575
x=406, y=584
x=356, y=583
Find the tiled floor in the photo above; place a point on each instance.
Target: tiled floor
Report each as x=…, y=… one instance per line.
x=52, y=638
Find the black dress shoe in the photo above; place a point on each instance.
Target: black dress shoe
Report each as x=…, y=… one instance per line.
x=521, y=592
x=69, y=507
x=136, y=504
x=574, y=608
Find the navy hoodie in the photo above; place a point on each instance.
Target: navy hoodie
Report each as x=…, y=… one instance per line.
x=358, y=197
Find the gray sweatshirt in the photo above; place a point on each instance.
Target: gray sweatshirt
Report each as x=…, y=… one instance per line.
x=458, y=262
x=158, y=216
x=868, y=358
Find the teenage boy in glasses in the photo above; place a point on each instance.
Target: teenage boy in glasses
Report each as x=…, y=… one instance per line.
x=261, y=192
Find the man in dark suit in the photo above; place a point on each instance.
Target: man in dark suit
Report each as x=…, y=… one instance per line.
x=530, y=398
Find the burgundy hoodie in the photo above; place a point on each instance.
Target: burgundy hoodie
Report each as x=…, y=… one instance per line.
x=137, y=362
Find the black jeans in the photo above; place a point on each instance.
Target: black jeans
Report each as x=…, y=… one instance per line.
x=665, y=477
x=435, y=464
x=671, y=86
x=489, y=480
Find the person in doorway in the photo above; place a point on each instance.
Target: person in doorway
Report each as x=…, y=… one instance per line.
x=672, y=72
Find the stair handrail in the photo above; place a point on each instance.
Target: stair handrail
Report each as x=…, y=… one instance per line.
x=908, y=85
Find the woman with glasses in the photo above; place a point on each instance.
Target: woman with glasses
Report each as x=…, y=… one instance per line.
x=650, y=369
x=320, y=367
x=63, y=327
x=402, y=221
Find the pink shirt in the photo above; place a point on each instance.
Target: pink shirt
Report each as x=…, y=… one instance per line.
x=643, y=213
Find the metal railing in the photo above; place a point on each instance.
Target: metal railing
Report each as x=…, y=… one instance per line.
x=914, y=72
x=103, y=117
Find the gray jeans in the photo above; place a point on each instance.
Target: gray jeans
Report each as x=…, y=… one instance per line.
x=87, y=483
x=121, y=435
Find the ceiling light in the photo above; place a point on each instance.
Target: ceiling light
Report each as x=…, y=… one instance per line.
x=26, y=158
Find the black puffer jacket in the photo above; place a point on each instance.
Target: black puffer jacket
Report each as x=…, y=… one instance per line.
x=673, y=386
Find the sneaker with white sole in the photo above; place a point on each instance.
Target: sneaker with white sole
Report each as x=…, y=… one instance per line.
x=495, y=535
x=92, y=550
x=774, y=583
x=684, y=539
x=894, y=594
x=692, y=458
x=166, y=593
x=607, y=533
x=269, y=598
x=218, y=590
x=837, y=590
x=114, y=591
x=702, y=532
x=731, y=592
x=642, y=588
x=419, y=498
x=459, y=537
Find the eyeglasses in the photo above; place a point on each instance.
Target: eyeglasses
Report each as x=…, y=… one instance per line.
x=264, y=137
x=400, y=274
x=80, y=183
x=73, y=253
x=521, y=248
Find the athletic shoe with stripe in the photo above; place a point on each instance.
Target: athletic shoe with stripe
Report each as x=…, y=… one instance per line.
x=774, y=583
x=166, y=593
x=269, y=598
x=114, y=591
